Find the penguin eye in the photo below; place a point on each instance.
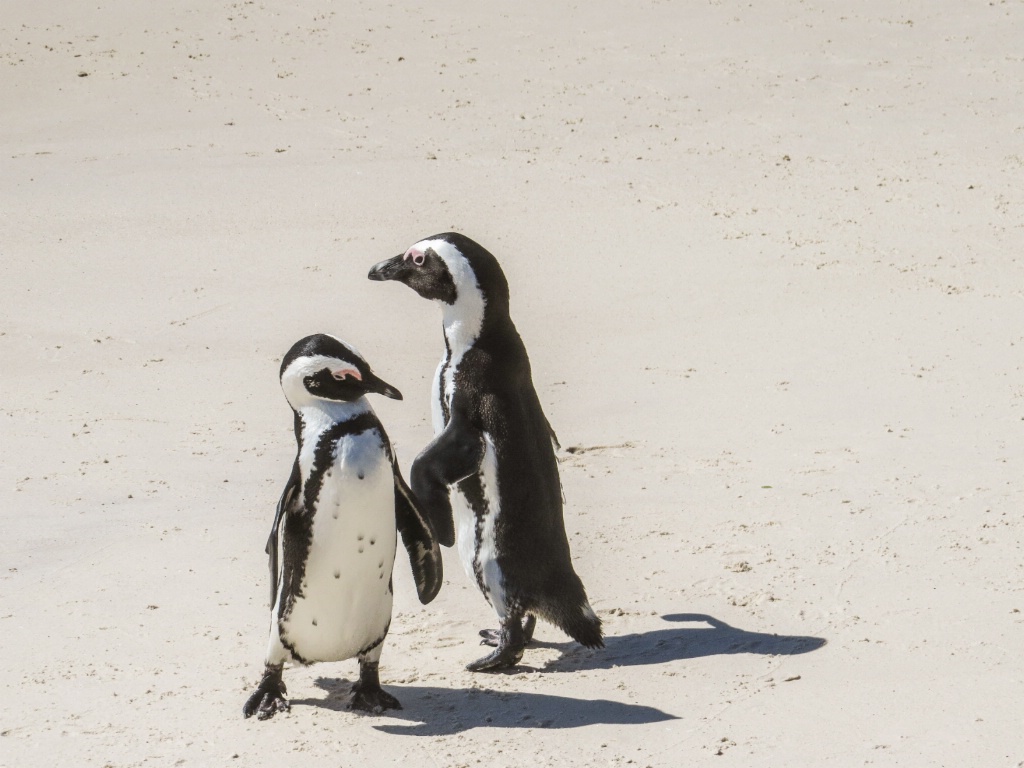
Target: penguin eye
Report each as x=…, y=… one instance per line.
x=416, y=255
x=343, y=373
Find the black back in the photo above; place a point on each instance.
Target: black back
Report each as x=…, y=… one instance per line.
x=494, y=387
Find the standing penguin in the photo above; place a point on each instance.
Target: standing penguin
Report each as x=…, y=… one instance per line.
x=492, y=456
x=335, y=525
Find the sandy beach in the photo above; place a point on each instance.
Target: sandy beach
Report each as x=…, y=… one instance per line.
x=767, y=262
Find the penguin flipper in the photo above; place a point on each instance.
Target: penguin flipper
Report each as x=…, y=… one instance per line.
x=294, y=480
x=453, y=455
x=419, y=539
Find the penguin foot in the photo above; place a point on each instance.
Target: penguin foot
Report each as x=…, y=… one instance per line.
x=516, y=631
x=492, y=637
x=503, y=657
x=369, y=696
x=269, y=697
x=374, y=700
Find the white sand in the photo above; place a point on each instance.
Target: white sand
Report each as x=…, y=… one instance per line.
x=766, y=256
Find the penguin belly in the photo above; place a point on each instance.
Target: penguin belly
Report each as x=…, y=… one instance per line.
x=476, y=510
x=345, y=604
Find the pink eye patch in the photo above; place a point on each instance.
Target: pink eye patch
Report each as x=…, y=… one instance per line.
x=342, y=373
x=416, y=255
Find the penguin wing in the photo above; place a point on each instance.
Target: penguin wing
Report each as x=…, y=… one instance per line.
x=419, y=539
x=451, y=456
x=290, y=488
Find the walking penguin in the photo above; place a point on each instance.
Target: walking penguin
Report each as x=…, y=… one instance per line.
x=490, y=475
x=333, y=541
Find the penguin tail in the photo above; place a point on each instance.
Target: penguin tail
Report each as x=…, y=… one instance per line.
x=580, y=623
x=585, y=627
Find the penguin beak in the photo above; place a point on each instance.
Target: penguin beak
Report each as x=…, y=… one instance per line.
x=389, y=269
x=373, y=383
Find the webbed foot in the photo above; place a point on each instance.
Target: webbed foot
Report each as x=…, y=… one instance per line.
x=500, y=658
x=375, y=701
x=368, y=695
x=490, y=637
x=510, y=643
x=269, y=698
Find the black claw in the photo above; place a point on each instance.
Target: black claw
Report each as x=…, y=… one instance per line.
x=271, y=705
x=269, y=698
x=492, y=637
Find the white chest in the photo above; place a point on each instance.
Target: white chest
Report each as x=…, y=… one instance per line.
x=345, y=597
x=463, y=322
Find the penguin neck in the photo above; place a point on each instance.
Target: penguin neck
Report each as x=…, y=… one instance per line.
x=322, y=414
x=464, y=320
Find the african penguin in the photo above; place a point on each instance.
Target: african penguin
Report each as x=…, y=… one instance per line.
x=335, y=525
x=490, y=474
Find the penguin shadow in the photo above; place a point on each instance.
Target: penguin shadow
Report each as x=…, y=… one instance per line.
x=432, y=711
x=711, y=637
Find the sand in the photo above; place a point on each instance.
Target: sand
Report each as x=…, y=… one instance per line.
x=766, y=259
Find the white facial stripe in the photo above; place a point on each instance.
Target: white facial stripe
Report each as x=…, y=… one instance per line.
x=463, y=319
x=307, y=366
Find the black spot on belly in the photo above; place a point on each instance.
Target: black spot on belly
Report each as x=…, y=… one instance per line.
x=359, y=537
x=314, y=622
x=360, y=550
x=372, y=542
x=337, y=574
x=361, y=474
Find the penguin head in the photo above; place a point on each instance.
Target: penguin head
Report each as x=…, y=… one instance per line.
x=447, y=268
x=323, y=368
